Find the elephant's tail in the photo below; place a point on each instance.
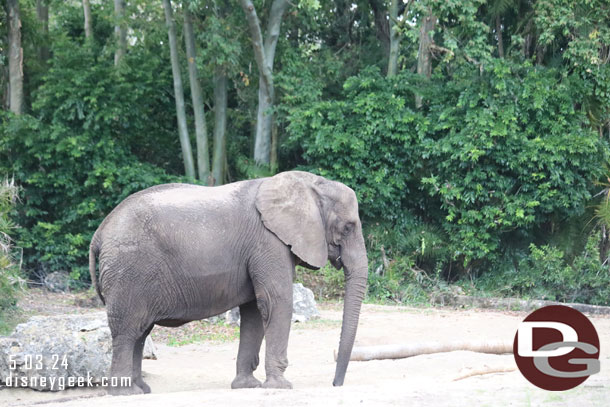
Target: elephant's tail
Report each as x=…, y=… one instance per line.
x=94, y=250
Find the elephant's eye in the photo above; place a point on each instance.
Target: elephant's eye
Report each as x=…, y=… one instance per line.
x=347, y=229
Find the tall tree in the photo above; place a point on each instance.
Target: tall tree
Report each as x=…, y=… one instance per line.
x=201, y=131
x=424, y=55
x=15, y=58
x=87, y=13
x=119, y=30
x=42, y=12
x=497, y=10
x=220, y=125
x=382, y=25
x=185, y=143
x=264, y=53
x=395, y=37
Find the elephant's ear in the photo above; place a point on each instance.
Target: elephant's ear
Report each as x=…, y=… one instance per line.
x=288, y=204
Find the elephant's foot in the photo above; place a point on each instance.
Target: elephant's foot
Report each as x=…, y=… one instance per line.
x=125, y=390
x=277, y=382
x=243, y=381
x=141, y=384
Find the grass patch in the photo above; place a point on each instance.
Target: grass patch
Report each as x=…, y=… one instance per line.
x=320, y=323
x=9, y=319
x=196, y=332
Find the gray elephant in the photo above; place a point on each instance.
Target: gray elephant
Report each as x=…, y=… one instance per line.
x=176, y=253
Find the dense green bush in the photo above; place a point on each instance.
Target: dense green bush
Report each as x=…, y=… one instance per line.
x=81, y=152
x=490, y=176
x=370, y=140
x=546, y=274
x=490, y=153
x=508, y=150
x=10, y=277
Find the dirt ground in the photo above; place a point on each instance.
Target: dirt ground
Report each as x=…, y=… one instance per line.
x=201, y=373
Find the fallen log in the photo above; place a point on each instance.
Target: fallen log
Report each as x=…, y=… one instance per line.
x=364, y=353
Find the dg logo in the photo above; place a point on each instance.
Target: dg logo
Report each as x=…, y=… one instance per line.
x=557, y=348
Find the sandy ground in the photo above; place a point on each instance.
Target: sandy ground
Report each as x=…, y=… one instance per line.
x=199, y=374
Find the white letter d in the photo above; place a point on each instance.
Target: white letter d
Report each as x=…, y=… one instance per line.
x=525, y=336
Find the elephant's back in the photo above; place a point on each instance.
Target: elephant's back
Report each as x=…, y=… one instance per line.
x=175, y=209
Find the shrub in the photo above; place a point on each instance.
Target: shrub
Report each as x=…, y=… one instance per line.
x=508, y=152
x=11, y=282
x=73, y=156
x=491, y=157
x=368, y=140
x=546, y=274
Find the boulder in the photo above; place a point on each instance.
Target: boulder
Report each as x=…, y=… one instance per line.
x=52, y=352
x=303, y=304
x=58, y=281
x=303, y=307
x=232, y=316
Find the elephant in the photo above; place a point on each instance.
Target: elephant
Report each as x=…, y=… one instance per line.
x=176, y=253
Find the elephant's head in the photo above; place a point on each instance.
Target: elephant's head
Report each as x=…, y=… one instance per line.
x=319, y=220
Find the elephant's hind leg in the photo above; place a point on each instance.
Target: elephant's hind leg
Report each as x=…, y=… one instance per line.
x=121, y=369
x=125, y=335
x=250, y=338
x=137, y=361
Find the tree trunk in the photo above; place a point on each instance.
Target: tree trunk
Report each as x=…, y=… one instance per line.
x=15, y=58
x=378, y=352
x=42, y=12
x=185, y=143
x=394, y=40
x=201, y=131
x=264, y=118
x=527, y=42
x=119, y=30
x=424, y=57
x=604, y=245
x=220, y=125
x=500, y=39
x=264, y=53
x=382, y=27
x=274, y=142
x=87, y=13
x=540, y=51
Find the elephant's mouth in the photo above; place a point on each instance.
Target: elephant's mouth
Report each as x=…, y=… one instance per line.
x=335, y=260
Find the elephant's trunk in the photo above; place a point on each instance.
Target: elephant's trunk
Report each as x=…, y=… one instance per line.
x=355, y=265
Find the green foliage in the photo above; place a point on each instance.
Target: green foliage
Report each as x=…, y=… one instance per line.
x=545, y=274
x=326, y=283
x=11, y=282
x=511, y=151
x=403, y=257
x=76, y=156
x=368, y=140
x=497, y=152
x=503, y=153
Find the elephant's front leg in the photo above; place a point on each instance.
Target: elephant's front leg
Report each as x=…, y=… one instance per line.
x=250, y=337
x=277, y=315
x=273, y=289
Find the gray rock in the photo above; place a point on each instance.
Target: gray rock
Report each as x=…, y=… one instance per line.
x=303, y=304
x=49, y=352
x=58, y=281
x=303, y=307
x=232, y=316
